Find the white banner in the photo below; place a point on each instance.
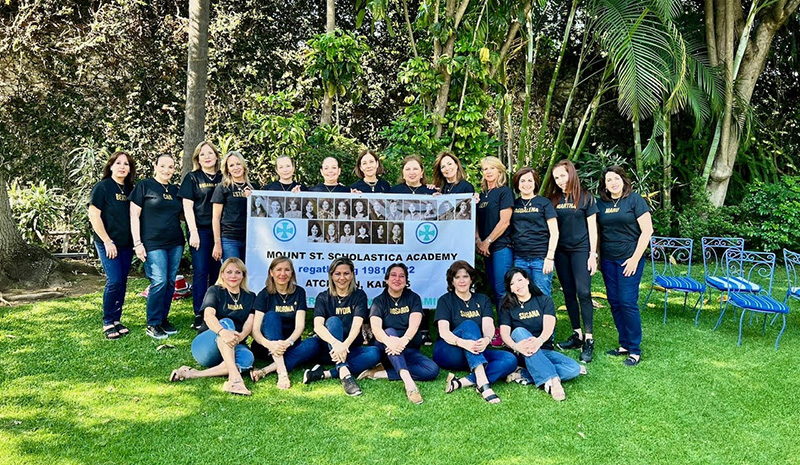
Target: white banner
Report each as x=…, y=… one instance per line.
x=427, y=233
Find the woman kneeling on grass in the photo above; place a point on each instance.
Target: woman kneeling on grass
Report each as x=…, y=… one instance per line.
x=228, y=314
x=395, y=317
x=527, y=319
x=280, y=318
x=339, y=313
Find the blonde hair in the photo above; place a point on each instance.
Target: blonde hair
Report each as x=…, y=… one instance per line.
x=238, y=264
x=502, y=179
x=196, y=155
x=270, y=284
x=332, y=268
x=227, y=180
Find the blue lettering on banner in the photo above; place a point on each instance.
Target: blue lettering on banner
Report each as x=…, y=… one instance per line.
x=427, y=232
x=284, y=230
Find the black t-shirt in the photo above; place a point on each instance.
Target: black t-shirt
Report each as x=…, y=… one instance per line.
x=115, y=211
x=529, y=233
x=160, y=220
x=461, y=187
x=380, y=186
x=402, y=188
x=218, y=298
x=351, y=306
x=451, y=308
x=619, y=228
x=279, y=186
x=234, y=210
x=529, y=316
x=323, y=188
x=489, y=207
x=396, y=313
x=198, y=187
x=286, y=307
x=573, y=231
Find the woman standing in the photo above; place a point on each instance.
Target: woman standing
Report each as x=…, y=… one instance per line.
x=330, y=172
x=339, y=313
x=230, y=208
x=196, y=192
x=576, y=253
x=412, y=180
x=466, y=327
x=109, y=215
x=449, y=176
x=527, y=320
x=158, y=241
x=534, y=230
x=280, y=319
x=395, y=317
x=368, y=168
x=228, y=314
x=625, y=230
x=284, y=166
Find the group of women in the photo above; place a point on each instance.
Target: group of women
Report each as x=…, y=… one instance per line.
x=523, y=240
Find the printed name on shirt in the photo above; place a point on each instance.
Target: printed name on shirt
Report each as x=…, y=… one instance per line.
x=527, y=210
x=399, y=311
x=531, y=314
x=234, y=307
x=612, y=210
x=167, y=197
x=239, y=194
x=569, y=205
x=470, y=314
x=343, y=310
x=121, y=197
x=483, y=204
x=207, y=185
x=284, y=308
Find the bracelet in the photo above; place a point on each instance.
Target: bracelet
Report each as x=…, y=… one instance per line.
x=220, y=331
x=109, y=242
x=137, y=244
x=593, y=254
x=290, y=341
x=548, y=258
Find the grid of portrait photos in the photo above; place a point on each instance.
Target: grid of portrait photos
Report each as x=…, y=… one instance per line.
x=345, y=220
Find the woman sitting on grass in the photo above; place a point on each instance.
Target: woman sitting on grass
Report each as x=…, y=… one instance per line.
x=527, y=319
x=228, y=314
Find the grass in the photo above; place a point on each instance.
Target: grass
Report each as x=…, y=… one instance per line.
x=70, y=397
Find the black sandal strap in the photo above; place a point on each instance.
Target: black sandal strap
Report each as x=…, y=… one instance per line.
x=483, y=388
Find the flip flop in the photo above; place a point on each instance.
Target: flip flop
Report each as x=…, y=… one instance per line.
x=414, y=396
x=237, y=387
x=256, y=375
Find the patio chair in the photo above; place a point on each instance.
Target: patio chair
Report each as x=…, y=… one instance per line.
x=714, y=272
x=668, y=255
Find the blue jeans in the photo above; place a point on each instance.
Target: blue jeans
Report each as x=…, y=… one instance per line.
x=232, y=248
x=498, y=363
x=360, y=357
x=623, y=298
x=161, y=267
x=534, y=268
x=206, y=269
x=207, y=354
x=497, y=264
x=576, y=282
x=300, y=352
x=545, y=365
x=117, y=270
x=419, y=366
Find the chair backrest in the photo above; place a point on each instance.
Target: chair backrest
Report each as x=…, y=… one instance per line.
x=669, y=254
x=714, y=249
x=792, y=260
x=755, y=267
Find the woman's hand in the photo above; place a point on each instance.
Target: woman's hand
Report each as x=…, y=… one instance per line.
x=482, y=343
x=279, y=347
x=247, y=191
x=547, y=266
x=228, y=337
x=530, y=346
x=111, y=250
x=483, y=248
x=140, y=252
x=216, y=254
x=396, y=345
x=629, y=267
x=339, y=352
x=591, y=264
x=473, y=347
x=194, y=240
x=296, y=189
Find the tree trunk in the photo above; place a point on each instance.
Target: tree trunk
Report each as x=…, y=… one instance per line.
x=637, y=146
x=327, y=97
x=667, y=180
x=524, y=130
x=443, y=94
x=196, y=76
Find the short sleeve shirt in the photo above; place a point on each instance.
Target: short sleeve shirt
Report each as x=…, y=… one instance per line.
x=339, y=188
x=573, y=230
x=160, y=220
x=489, y=206
x=530, y=235
x=452, y=308
x=353, y=305
x=403, y=188
x=395, y=313
x=223, y=302
x=234, y=210
x=199, y=188
x=530, y=316
x=115, y=211
x=619, y=226
x=286, y=306
x=461, y=187
x=279, y=186
x=380, y=186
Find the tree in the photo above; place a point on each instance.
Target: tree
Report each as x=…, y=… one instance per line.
x=196, y=77
x=328, y=92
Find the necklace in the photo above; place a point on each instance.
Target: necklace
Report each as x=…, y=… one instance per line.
x=210, y=178
x=283, y=296
x=371, y=184
x=234, y=299
x=413, y=189
x=165, y=186
x=283, y=186
x=119, y=186
x=330, y=189
x=239, y=185
x=616, y=201
x=396, y=301
x=466, y=302
x=528, y=203
x=339, y=298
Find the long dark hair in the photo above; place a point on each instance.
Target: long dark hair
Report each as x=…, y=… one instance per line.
x=510, y=299
x=457, y=266
x=627, y=188
x=131, y=164
x=438, y=178
x=573, y=191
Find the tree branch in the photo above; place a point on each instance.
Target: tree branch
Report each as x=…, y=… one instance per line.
x=510, y=37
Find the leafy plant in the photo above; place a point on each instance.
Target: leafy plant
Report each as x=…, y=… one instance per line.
x=36, y=210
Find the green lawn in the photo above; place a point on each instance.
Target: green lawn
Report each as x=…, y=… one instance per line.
x=68, y=396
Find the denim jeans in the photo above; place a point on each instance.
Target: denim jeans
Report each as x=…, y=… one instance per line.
x=545, y=365
x=419, y=366
x=360, y=357
x=497, y=264
x=300, y=352
x=207, y=354
x=206, y=269
x=534, y=268
x=161, y=266
x=573, y=274
x=232, y=248
x=623, y=298
x=498, y=363
x=117, y=270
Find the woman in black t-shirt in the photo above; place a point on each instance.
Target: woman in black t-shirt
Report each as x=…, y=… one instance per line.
x=230, y=208
x=109, y=215
x=228, y=314
x=395, y=317
x=412, y=180
x=466, y=327
x=196, y=191
x=449, y=176
x=158, y=241
x=625, y=230
x=527, y=320
x=330, y=172
x=369, y=168
x=284, y=166
x=280, y=310
x=493, y=237
x=576, y=254
x=339, y=313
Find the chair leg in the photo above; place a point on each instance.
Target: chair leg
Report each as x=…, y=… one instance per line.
x=666, y=297
x=741, y=322
x=685, y=297
x=773, y=319
x=697, y=315
x=780, y=333
x=722, y=308
x=648, y=295
x=764, y=331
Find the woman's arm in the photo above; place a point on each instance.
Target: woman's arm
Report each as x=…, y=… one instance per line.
x=646, y=225
x=591, y=223
x=216, y=226
x=228, y=337
x=138, y=247
x=188, y=213
x=247, y=328
x=499, y=229
x=99, y=228
x=549, y=261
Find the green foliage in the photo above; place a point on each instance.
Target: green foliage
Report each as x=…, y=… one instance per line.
x=36, y=209
x=699, y=218
x=769, y=215
x=334, y=59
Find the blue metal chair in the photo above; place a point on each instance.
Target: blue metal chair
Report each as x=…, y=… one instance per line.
x=714, y=272
x=669, y=255
x=758, y=268
x=792, y=261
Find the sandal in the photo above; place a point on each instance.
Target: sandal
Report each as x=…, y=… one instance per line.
x=414, y=396
x=121, y=329
x=111, y=332
x=236, y=387
x=617, y=352
x=516, y=377
x=256, y=375
x=631, y=361
x=452, y=383
x=284, y=382
x=554, y=388
x=491, y=398
x=180, y=374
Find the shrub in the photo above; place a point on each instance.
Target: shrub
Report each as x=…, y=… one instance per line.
x=769, y=215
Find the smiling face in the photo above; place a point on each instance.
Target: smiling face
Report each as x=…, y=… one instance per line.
x=490, y=173
x=207, y=158
x=614, y=184
x=369, y=166
x=309, y=207
x=120, y=168
x=285, y=169
x=342, y=277
x=314, y=230
x=275, y=206
x=235, y=168
x=232, y=276
x=326, y=205
x=281, y=273
x=164, y=168
x=359, y=207
x=462, y=281
x=527, y=184
x=396, y=231
x=396, y=281
x=346, y=228
x=362, y=230
x=293, y=205
x=520, y=286
x=330, y=171
x=342, y=207
x=412, y=173
x=561, y=177
x=380, y=230
x=449, y=169
x=331, y=230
